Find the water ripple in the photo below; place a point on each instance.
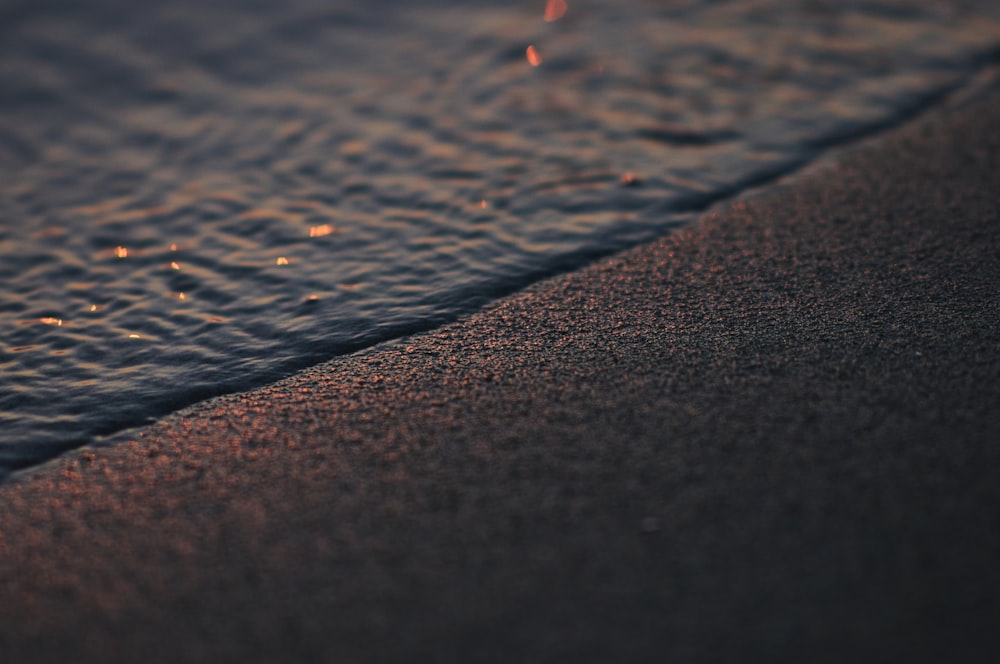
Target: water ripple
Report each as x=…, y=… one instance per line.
x=201, y=196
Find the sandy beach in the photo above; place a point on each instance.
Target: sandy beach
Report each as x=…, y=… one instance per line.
x=771, y=436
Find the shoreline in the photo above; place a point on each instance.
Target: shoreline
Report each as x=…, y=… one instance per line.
x=769, y=435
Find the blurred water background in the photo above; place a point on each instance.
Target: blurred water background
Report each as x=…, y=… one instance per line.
x=200, y=196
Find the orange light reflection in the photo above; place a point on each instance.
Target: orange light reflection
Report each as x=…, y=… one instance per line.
x=320, y=231
x=533, y=58
x=555, y=10
x=629, y=179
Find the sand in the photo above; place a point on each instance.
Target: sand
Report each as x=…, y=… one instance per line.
x=771, y=436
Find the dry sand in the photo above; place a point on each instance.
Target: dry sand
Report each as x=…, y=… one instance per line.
x=772, y=436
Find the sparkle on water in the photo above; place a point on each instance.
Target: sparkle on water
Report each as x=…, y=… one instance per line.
x=200, y=197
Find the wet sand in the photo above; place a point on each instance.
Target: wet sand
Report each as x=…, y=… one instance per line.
x=771, y=436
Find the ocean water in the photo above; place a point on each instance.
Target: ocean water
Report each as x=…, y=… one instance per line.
x=198, y=197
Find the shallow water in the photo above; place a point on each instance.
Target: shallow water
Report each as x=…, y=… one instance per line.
x=199, y=197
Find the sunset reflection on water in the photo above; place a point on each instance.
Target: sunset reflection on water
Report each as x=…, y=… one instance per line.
x=555, y=10
x=195, y=173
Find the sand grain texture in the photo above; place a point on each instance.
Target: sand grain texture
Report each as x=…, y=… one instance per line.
x=771, y=436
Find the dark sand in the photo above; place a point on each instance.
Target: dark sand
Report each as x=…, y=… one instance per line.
x=770, y=437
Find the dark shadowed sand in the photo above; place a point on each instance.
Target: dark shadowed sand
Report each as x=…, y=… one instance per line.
x=772, y=436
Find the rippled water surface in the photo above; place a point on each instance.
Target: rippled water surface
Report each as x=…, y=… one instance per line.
x=197, y=197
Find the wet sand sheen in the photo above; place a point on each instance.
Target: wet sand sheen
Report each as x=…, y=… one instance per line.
x=770, y=436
